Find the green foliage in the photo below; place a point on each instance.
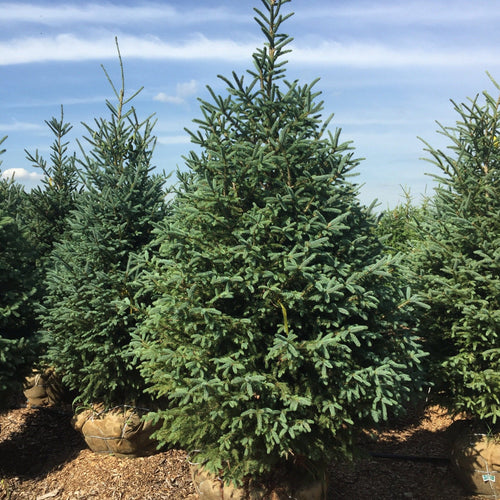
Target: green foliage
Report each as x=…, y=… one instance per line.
x=457, y=265
x=89, y=309
x=13, y=199
x=50, y=204
x=278, y=325
x=16, y=357
x=17, y=281
x=398, y=227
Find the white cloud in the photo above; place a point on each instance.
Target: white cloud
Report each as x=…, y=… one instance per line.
x=187, y=88
x=21, y=174
x=19, y=127
x=183, y=90
x=173, y=99
x=37, y=101
x=373, y=55
x=428, y=12
x=70, y=47
x=107, y=13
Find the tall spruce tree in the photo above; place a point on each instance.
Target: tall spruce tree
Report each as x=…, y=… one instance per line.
x=17, y=289
x=458, y=263
x=89, y=309
x=278, y=328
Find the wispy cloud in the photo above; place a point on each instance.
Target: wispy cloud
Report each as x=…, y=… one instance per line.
x=19, y=127
x=62, y=14
x=413, y=11
x=69, y=47
x=36, y=102
x=427, y=12
x=183, y=90
x=374, y=121
x=21, y=174
x=172, y=99
x=373, y=55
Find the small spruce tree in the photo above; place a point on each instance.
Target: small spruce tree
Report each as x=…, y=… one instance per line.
x=89, y=310
x=458, y=262
x=278, y=326
x=50, y=204
x=397, y=227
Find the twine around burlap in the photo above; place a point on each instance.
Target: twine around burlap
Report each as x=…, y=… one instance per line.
x=210, y=487
x=476, y=459
x=43, y=388
x=119, y=431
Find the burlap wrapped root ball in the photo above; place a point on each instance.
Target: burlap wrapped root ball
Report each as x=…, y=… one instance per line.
x=120, y=431
x=210, y=487
x=476, y=460
x=43, y=388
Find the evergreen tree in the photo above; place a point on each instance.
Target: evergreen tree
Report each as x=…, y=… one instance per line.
x=457, y=264
x=17, y=347
x=51, y=203
x=398, y=227
x=89, y=310
x=278, y=328
x=17, y=287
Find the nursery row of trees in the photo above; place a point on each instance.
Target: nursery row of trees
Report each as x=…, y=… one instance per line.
x=263, y=313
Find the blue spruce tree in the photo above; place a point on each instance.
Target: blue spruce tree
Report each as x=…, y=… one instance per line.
x=457, y=264
x=278, y=328
x=89, y=311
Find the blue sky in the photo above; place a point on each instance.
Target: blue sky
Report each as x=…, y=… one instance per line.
x=388, y=70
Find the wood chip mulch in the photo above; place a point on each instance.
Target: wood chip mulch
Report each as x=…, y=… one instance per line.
x=43, y=458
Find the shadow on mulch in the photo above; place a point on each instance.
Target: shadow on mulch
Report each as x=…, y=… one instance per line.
x=45, y=442
x=399, y=462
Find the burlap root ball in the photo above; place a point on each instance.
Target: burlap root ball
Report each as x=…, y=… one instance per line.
x=43, y=388
x=476, y=460
x=119, y=431
x=210, y=487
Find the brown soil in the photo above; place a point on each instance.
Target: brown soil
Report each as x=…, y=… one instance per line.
x=43, y=458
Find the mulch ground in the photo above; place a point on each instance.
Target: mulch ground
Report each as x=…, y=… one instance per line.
x=43, y=458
